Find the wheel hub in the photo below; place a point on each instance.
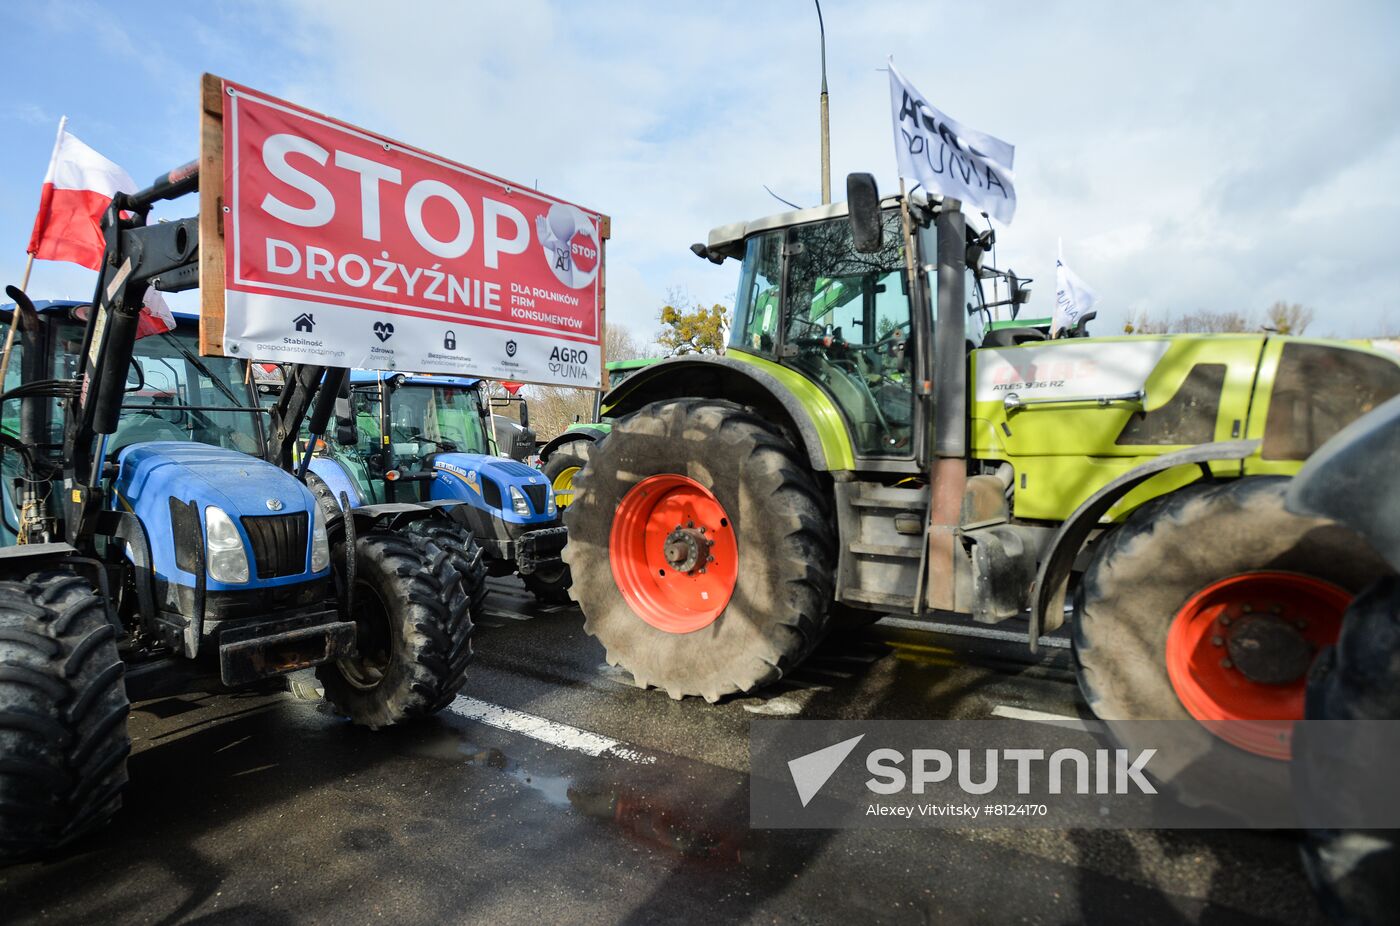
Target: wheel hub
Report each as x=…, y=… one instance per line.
x=1268, y=649
x=687, y=548
x=1239, y=650
x=673, y=552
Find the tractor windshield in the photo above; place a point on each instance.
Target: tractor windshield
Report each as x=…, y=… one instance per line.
x=172, y=393
x=423, y=419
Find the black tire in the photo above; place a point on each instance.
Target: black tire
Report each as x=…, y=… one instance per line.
x=63, y=710
x=1352, y=871
x=573, y=455
x=413, y=639
x=466, y=556
x=782, y=528
x=550, y=584
x=1144, y=571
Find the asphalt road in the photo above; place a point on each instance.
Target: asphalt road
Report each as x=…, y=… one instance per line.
x=553, y=791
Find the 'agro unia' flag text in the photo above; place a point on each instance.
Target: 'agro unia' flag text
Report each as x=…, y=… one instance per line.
x=1073, y=298
x=947, y=157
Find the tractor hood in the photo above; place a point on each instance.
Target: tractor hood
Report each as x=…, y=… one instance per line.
x=486, y=481
x=151, y=475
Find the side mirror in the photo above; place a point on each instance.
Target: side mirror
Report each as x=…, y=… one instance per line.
x=346, y=432
x=525, y=416
x=863, y=205
x=522, y=445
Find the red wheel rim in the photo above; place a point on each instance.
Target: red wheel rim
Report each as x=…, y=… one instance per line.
x=673, y=553
x=1239, y=650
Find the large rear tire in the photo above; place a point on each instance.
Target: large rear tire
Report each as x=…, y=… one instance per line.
x=1214, y=571
x=63, y=710
x=413, y=633
x=702, y=549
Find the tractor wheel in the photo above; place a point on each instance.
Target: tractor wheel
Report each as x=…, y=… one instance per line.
x=413, y=633
x=1210, y=603
x=701, y=549
x=1351, y=871
x=562, y=466
x=550, y=584
x=466, y=556
x=63, y=707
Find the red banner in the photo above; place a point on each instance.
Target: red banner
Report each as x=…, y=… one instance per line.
x=347, y=248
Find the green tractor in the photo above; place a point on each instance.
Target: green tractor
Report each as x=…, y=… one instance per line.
x=861, y=450
x=563, y=457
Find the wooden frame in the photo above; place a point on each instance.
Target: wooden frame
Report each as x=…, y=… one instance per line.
x=211, y=216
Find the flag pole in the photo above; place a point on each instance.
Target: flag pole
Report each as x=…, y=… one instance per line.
x=14, y=322
x=29, y=263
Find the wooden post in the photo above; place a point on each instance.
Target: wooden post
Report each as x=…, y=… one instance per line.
x=211, y=216
x=604, y=233
x=14, y=323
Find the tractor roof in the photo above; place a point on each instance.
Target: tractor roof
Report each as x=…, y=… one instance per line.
x=369, y=377
x=633, y=364
x=728, y=239
x=45, y=306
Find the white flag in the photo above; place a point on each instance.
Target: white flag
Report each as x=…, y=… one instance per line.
x=1073, y=298
x=949, y=158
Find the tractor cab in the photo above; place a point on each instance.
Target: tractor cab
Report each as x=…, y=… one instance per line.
x=428, y=439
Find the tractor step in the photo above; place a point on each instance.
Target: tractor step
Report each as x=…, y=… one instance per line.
x=879, y=564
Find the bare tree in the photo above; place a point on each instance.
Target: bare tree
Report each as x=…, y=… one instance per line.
x=1282, y=317
x=554, y=408
x=1288, y=317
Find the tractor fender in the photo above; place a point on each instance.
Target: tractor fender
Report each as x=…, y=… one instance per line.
x=590, y=434
x=1048, y=593
x=1350, y=480
x=710, y=376
x=395, y=516
x=334, y=475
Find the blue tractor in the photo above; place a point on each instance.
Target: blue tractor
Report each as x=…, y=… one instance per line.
x=429, y=440
x=147, y=545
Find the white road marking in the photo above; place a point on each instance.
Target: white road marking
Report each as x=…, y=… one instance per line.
x=971, y=630
x=508, y=615
x=1054, y=720
x=546, y=731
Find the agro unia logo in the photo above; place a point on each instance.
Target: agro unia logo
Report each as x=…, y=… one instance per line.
x=570, y=244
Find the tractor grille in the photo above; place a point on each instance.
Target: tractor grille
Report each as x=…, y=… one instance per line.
x=536, y=495
x=279, y=543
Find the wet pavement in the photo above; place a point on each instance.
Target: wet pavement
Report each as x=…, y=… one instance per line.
x=553, y=791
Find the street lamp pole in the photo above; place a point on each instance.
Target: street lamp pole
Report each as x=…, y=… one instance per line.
x=826, y=123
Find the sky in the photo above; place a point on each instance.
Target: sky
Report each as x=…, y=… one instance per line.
x=1189, y=155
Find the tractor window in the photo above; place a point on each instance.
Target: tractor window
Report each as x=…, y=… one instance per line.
x=172, y=393
x=848, y=327
x=452, y=420
x=756, y=315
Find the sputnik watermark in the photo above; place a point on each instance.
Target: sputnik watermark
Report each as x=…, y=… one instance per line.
x=1002, y=772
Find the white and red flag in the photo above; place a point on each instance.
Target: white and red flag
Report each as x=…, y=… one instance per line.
x=78, y=188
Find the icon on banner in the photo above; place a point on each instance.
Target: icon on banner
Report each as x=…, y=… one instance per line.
x=305, y=322
x=510, y=348
x=449, y=341
x=383, y=330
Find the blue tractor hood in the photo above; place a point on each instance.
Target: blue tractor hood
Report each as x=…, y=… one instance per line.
x=151, y=474
x=485, y=482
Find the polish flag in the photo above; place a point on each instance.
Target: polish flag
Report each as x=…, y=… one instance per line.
x=77, y=190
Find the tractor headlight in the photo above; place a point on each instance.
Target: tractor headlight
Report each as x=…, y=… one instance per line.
x=225, y=556
x=550, y=508
x=517, y=501
x=320, y=544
